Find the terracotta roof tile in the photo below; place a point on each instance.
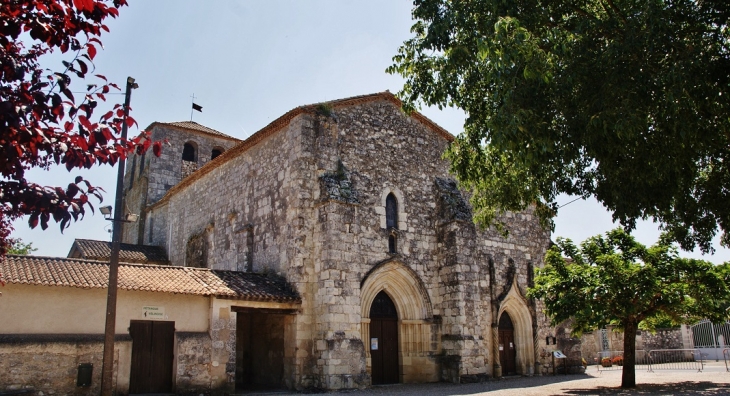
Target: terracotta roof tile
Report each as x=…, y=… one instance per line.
x=128, y=253
x=89, y=274
x=194, y=126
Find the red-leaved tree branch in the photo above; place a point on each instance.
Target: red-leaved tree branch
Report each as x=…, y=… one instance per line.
x=41, y=122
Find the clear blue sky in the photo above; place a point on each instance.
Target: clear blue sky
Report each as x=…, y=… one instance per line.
x=247, y=64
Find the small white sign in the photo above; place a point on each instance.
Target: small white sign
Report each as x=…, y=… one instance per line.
x=152, y=313
x=373, y=344
x=501, y=347
x=559, y=354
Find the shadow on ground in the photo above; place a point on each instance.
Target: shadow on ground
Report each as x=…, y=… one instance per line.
x=445, y=388
x=557, y=385
x=676, y=388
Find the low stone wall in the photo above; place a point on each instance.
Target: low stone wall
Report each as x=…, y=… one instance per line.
x=590, y=346
x=49, y=363
x=591, y=343
x=663, y=339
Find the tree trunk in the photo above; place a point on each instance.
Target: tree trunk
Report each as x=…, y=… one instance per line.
x=628, y=376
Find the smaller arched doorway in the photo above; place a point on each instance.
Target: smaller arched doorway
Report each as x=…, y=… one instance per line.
x=384, y=340
x=507, y=348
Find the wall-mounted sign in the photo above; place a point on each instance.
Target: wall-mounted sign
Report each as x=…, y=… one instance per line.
x=373, y=344
x=501, y=347
x=559, y=354
x=152, y=313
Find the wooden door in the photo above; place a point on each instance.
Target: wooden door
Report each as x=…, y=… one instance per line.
x=384, y=341
x=152, y=356
x=244, y=351
x=507, y=348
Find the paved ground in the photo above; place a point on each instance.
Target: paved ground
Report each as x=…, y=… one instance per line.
x=713, y=380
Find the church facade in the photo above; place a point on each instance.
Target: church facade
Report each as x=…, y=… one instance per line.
x=352, y=204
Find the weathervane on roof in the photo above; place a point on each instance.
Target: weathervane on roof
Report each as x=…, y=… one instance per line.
x=195, y=107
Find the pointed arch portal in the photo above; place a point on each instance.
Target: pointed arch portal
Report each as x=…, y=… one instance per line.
x=514, y=306
x=384, y=340
x=397, y=325
x=507, y=351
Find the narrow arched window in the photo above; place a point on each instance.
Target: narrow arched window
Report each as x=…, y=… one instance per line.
x=391, y=211
x=393, y=243
x=141, y=164
x=134, y=168
x=189, y=152
x=216, y=152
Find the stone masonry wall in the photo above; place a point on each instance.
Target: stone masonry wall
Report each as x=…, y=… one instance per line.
x=158, y=174
x=165, y=171
x=663, y=339
x=253, y=190
x=591, y=343
x=383, y=151
x=194, y=362
x=247, y=211
x=51, y=367
x=313, y=195
x=136, y=181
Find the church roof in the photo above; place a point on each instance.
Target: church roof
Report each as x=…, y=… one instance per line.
x=128, y=253
x=283, y=121
x=89, y=274
x=194, y=126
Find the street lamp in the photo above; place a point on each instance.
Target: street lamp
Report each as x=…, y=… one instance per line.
x=106, y=211
x=128, y=218
x=107, y=367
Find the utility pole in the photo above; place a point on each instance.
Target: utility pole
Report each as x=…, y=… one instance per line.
x=107, y=368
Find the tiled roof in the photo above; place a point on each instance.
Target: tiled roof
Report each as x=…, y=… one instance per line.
x=194, y=126
x=89, y=274
x=284, y=120
x=128, y=253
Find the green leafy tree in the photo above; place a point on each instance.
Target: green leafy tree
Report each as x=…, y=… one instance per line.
x=614, y=280
x=44, y=122
x=17, y=246
x=626, y=101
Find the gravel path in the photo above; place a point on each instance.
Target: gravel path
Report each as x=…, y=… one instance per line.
x=713, y=380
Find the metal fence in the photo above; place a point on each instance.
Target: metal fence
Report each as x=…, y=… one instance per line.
x=726, y=357
x=675, y=359
x=657, y=359
x=614, y=360
x=711, y=338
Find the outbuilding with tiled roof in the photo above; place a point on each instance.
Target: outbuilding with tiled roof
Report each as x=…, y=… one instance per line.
x=91, y=249
x=91, y=274
x=55, y=308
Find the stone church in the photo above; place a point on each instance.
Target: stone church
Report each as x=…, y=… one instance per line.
x=351, y=202
x=349, y=205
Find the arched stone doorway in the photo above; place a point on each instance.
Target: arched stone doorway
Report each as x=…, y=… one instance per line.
x=515, y=307
x=507, y=349
x=384, y=340
x=417, y=345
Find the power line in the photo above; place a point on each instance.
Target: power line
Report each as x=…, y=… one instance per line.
x=570, y=202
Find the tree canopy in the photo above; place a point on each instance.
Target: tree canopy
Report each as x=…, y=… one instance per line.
x=17, y=246
x=623, y=100
x=42, y=123
x=614, y=280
